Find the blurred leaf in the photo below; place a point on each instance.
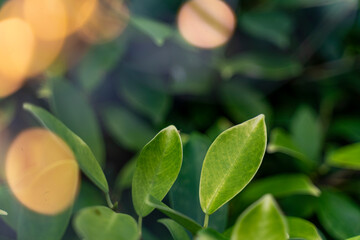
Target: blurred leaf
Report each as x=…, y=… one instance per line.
x=125, y=176
x=280, y=141
x=272, y=26
x=97, y=63
x=7, y=113
x=100, y=222
x=176, y=230
x=219, y=126
x=242, y=102
x=126, y=128
x=87, y=162
x=280, y=186
x=75, y=111
x=157, y=31
x=210, y=234
x=354, y=238
x=346, y=157
x=224, y=173
x=291, y=207
x=2, y=212
x=339, y=215
x=260, y=65
x=306, y=133
x=348, y=127
x=88, y=196
x=262, y=220
x=180, y=218
x=145, y=98
x=304, y=3
x=184, y=194
x=302, y=229
x=29, y=225
x=157, y=168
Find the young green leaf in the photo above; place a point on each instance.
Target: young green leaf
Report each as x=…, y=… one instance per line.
x=87, y=162
x=231, y=162
x=346, y=157
x=281, y=142
x=262, y=220
x=176, y=230
x=180, y=218
x=302, y=229
x=259, y=65
x=339, y=215
x=210, y=234
x=158, y=31
x=306, y=133
x=157, y=168
x=126, y=128
x=2, y=212
x=100, y=222
x=354, y=238
x=72, y=110
x=280, y=186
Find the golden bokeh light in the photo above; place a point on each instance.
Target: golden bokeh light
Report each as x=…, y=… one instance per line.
x=206, y=23
x=16, y=51
x=110, y=13
x=42, y=172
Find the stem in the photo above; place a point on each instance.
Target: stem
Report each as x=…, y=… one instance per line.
x=108, y=200
x=140, y=226
x=206, y=221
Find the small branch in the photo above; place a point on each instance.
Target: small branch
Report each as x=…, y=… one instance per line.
x=140, y=226
x=206, y=221
x=108, y=200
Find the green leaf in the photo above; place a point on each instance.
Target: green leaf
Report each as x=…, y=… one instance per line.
x=145, y=98
x=304, y=3
x=30, y=225
x=126, y=128
x=87, y=162
x=280, y=186
x=97, y=62
x=157, y=168
x=157, y=31
x=339, y=215
x=100, y=222
x=72, y=108
x=243, y=102
x=262, y=220
x=125, y=176
x=180, y=218
x=176, y=230
x=2, y=212
x=271, y=26
x=346, y=157
x=307, y=133
x=231, y=162
x=281, y=142
x=354, y=238
x=210, y=234
x=259, y=65
x=184, y=194
x=348, y=127
x=7, y=113
x=88, y=196
x=302, y=229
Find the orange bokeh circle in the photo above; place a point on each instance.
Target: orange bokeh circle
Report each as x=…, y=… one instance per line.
x=206, y=23
x=42, y=172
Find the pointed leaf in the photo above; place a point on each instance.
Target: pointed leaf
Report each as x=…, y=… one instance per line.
x=180, y=218
x=280, y=186
x=346, y=157
x=71, y=107
x=157, y=168
x=176, y=230
x=231, y=162
x=262, y=220
x=339, y=215
x=158, y=31
x=302, y=229
x=2, y=212
x=87, y=162
x=100, y=222
x=126, y=128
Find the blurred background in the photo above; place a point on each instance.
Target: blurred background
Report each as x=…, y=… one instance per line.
x=117, y=72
